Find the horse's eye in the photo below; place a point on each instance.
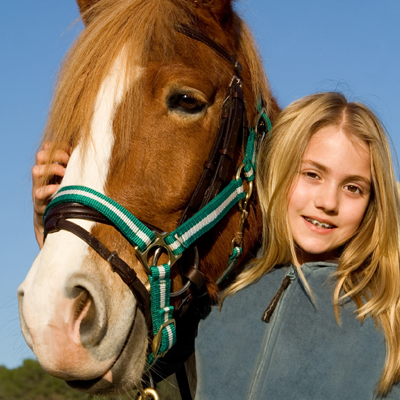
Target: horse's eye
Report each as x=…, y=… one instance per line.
x=186, y=103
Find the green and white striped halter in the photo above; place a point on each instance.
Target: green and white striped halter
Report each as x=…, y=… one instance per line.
x=174, y=243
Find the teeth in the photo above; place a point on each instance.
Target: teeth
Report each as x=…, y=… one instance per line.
x=319, y=224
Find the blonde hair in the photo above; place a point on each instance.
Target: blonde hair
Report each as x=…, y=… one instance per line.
x=368, y=269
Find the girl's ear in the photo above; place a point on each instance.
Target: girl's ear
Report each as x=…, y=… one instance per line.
x=84, y=6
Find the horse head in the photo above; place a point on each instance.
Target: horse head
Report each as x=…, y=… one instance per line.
x=139, y=99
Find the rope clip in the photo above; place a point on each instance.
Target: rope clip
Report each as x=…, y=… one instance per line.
x=149, y=393
x=158, y=337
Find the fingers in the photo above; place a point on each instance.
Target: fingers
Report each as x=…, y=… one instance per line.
x=42, y=188
x=41, y=191
x=43, y=172
x=59, y=156
x=43, y=194
x=40, y=172
x=41, y=199
x=44, y=175
x=62, y=146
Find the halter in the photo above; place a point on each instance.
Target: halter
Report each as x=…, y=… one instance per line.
x=210, y=202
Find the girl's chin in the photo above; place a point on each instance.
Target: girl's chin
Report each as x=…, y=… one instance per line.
x=304, y=256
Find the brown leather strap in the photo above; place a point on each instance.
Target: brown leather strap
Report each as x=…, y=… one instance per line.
x=196, y=277
x=76, y=211
x=218, y=169
x=233, y=129
x=57, y=222
x=201, y=37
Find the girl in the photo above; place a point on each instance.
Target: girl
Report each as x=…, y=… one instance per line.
x=317, y=315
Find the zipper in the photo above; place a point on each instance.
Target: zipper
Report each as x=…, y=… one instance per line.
x=291, y=275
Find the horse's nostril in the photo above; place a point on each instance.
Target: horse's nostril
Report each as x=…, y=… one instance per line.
x=83, y=301
x=88, y=317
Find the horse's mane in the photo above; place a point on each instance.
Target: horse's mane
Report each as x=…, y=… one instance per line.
x=143, y=31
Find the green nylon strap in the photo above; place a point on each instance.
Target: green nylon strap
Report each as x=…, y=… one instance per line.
x=161, y=310
x=236, y=252
x=135, y=231
x=267, y=121
x=250, y=156
x=206, y=218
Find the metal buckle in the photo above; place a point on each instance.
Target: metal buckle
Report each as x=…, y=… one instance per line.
x=258, y=122
x=243, y=203
x=157, y=339
x=159, y=244
x=236, y=79
x=149, y=393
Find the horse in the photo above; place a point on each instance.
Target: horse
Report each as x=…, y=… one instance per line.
x=142, y=98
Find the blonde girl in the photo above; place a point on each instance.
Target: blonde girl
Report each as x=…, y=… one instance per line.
x=316, y=315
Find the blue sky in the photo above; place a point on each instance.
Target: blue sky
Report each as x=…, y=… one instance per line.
x=307, y=46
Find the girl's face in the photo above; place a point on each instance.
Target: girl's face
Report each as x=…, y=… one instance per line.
x=331, y=194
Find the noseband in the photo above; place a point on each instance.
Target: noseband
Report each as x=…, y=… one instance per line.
x=212, y=198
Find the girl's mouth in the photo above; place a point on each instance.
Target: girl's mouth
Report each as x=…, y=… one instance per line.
x=318, y=224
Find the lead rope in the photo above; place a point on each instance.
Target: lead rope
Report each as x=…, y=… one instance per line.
x=249, y=166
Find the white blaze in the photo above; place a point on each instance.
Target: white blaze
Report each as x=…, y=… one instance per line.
x=63, y=253
x=89, y=167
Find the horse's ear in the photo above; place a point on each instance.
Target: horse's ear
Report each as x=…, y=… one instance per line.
x=221, y=9
x=84, y=6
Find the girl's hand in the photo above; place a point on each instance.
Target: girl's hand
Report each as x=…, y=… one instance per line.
x=42, y=191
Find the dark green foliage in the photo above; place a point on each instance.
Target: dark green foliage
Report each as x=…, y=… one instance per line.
x=30, y=382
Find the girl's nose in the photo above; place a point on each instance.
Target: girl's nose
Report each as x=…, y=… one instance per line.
x=327, y=199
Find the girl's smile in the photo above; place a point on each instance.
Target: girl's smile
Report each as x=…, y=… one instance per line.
x=319, y=225
x=330, y=195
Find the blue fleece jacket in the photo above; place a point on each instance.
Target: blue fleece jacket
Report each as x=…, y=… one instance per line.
x=302, y=353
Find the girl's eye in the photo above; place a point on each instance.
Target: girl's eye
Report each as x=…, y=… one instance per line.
x=185, y=102
x=353, y=189
x=311, y=175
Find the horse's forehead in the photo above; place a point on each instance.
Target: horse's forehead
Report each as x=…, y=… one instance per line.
x=90, y=161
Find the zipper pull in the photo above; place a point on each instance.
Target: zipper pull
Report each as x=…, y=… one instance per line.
x=290, y=276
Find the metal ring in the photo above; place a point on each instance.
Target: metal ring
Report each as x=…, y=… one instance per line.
x=260, y=136
x=258, y=117
x=149, y=393
x=157, y=254
x=243, y=203
x=237, y=79
x=249, y=192
x=239, y=171
x=157, y=243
